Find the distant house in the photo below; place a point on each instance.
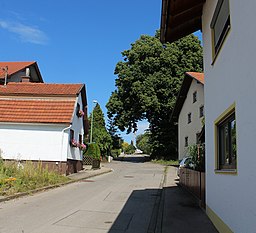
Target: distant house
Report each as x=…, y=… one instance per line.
x=188, y=112
x=43, y=122
x=230, y=129
x=19, y=72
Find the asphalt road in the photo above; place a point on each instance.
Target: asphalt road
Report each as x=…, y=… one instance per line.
x=122, y=201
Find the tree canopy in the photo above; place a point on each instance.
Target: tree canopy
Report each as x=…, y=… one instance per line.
x=147, y=83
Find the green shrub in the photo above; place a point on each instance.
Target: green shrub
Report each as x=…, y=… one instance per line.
x=197, y=154
x=93, y=151
x=130, y=149
x=115, y=153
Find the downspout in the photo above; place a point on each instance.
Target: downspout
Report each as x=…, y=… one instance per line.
x=62, y=138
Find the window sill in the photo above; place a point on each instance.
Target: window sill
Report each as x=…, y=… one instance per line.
x=226, y=171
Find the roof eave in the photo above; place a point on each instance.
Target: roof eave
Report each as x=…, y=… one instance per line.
x=180, y=18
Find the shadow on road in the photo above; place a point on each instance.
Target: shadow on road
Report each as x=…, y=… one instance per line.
x=171, y=209
x=133, y=158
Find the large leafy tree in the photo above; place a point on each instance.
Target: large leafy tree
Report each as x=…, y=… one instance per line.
x=147, y=83
x=100, y=134
x=143, y=143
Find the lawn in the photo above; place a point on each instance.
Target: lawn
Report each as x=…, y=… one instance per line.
x=16, y=177
x=166, y=162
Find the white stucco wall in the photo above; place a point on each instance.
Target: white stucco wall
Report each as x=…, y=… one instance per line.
x=32, y=142
x=77, y=125
x=41, y=141
x=231, y=79
x=190, y=130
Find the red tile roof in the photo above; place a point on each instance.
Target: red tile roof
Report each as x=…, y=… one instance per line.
x=196, y=75
x=36, y=111
x=40, y=89
x=14, y=67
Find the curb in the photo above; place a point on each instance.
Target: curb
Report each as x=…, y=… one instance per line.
x=155, y=225
x=17, y=195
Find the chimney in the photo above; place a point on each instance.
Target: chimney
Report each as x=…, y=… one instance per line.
x=26, y=78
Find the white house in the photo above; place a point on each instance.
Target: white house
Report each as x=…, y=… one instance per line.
x=43, y=122
x=229, y=67
x=19, y=72
x=188, y=112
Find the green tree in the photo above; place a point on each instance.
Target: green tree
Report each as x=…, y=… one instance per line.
x=100, y=134
x=143, y=143
x=147, y=83
x=116, y=139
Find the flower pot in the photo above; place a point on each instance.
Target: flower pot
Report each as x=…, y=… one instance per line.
x=95, y=164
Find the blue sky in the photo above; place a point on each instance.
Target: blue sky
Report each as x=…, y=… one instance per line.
x=77, y=41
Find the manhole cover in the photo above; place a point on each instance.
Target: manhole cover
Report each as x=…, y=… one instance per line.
x=108, y=222
x=128, y=176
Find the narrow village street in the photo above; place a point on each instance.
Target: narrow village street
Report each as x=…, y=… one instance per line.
x=125, y=200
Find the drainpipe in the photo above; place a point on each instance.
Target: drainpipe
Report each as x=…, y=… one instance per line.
x=62, y=138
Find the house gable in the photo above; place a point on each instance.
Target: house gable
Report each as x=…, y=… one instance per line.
x=16, y=71
x=187, y=111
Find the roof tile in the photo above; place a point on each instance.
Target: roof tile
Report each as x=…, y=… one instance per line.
x=14, y=67
x=36, y=111
x=197, y=75
x=40, y=89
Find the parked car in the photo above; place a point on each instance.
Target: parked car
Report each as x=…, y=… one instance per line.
x=185, y=162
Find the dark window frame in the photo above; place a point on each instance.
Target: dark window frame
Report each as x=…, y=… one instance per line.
x=194, y=96
x=71, y=135
x=77, y=109
x=189, y=118
x=201, y=111
x=80, y=139
x=226, y=143
x=186, y=141
x=221, y=24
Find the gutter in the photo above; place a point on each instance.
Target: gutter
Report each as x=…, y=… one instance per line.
x=62, y=138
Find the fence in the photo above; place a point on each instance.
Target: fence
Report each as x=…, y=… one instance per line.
x=194, y=181
x=87, y=160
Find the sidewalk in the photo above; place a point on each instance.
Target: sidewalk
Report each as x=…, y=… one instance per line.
x=179, y=211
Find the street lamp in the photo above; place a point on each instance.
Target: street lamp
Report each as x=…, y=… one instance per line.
x=95, y=102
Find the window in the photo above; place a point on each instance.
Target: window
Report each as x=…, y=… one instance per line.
x=194, y=97
x=189, y=117
x=71, y=135
x=186, y=141
x=80, y=139
x=197, y=138
x=226, y=143
x=77, y=109
x=220, y=24
x=201, y=111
